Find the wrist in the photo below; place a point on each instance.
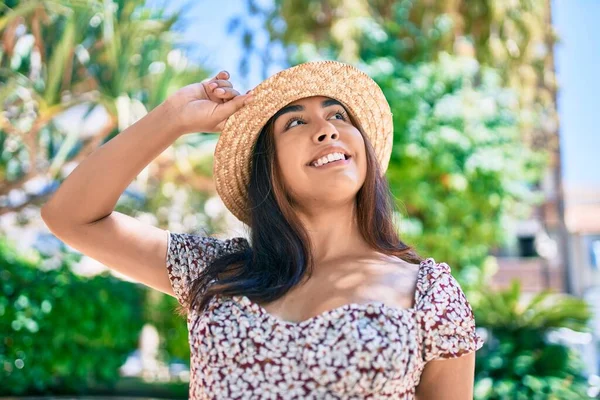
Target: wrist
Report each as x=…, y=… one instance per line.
x=172, y=114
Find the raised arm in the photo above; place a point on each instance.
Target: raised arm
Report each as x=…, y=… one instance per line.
x=81, y=212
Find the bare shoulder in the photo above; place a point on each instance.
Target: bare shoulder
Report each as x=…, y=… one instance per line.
x=407, y=274
x=402, y=267
x=399, y=277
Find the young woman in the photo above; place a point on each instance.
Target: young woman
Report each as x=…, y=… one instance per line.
x=325, y=301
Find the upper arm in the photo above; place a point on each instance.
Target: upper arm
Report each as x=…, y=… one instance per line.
x=448, y=334
x=121, y=243
x=453, y=377
x=447, y=323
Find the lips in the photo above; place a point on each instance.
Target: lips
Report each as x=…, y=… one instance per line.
x=333, y=164
x=323, y=160
x=329, y=150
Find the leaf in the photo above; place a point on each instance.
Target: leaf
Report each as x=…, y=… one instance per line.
x=57, y=63
x=25, y=8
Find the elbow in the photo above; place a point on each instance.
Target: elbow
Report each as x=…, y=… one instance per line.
x=45, y=213
x=55, y=219
x=60, y=219
x=49, y=217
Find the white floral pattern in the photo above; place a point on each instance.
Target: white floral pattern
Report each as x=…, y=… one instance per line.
x=356, y=351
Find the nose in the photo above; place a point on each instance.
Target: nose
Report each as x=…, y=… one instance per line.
x=325, y=133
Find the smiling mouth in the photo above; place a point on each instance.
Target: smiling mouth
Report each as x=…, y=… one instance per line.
x=345, y=161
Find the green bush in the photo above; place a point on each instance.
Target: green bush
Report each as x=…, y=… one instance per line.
x=160, y=311
x=62, y=332
x=458, y=167
x=517, y=361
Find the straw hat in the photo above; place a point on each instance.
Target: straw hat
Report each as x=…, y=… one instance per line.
x=361, y=96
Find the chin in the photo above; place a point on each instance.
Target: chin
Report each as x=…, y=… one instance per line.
x=333, y=195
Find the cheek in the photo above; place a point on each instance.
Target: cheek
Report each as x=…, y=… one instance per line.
x=358, y=143
x=288, y=162
x=361, y=158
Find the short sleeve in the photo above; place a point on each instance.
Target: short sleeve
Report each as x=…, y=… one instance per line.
x=188, y=255
x=446, y=319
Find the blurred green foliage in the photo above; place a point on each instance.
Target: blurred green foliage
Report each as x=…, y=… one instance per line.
x=124, y=58
x=517, y=361
x=63, y=60
x=62, y=332
x=458, y=165
x=160, y=311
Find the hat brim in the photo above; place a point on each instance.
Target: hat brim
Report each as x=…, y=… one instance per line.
x=360, y=94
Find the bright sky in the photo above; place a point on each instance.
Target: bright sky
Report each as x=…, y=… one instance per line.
x=577, y=60
x=578, y=66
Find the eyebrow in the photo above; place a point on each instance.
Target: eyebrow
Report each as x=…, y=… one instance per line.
x=295, y=108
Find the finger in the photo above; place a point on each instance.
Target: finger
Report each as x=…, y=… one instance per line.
x=229, y=107
x=220, y=83
x=198, y=90
x=226, y=93
x=222, y=75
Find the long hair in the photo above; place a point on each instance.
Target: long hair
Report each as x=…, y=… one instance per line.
x=280, y=255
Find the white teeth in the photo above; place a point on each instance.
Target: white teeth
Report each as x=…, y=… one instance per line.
x=328, y=158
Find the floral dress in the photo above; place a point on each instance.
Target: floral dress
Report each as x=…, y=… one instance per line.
x=356, y=351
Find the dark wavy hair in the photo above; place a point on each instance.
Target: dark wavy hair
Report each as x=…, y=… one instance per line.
x=280, y=253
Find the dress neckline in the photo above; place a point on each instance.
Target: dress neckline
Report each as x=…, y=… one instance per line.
x=256, y=308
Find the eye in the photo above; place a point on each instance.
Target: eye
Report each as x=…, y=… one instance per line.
x=293, y=119
x=342, y=113
x=289, y=122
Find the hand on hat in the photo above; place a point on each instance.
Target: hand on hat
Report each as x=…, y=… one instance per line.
x=205, y=106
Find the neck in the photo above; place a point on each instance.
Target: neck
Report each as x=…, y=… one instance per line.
x=333, y=231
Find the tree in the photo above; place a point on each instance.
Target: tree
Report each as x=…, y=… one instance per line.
x=69, y=64
x=458, y=166
x=67, y=60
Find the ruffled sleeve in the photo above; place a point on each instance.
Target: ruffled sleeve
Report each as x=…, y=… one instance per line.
x=446, y=319
x=189, y=254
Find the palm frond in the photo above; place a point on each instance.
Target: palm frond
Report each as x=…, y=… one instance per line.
x=58, y=62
